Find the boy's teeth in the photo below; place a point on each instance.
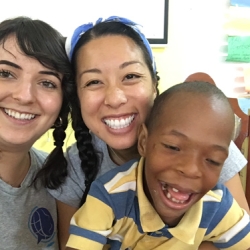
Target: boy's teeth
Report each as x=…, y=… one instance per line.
x=173, y=199
x=169, y=196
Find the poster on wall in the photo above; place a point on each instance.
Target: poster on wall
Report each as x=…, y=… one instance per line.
x=65, y=16
x=237, y=29
x=238, y=49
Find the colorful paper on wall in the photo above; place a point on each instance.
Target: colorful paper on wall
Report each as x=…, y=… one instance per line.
x=240, y=3
x=238, y=49
x=238, y=27
x=237, y=21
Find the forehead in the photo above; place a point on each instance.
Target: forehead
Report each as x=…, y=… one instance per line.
x=183, y=107
x=201, y=119
x=9, y=45
x=10, y=51
x=111, y=46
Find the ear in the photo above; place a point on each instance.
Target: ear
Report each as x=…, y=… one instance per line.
x=142, y=140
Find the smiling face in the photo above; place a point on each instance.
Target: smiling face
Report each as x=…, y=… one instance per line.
x=184, y=152
x=115, y=89
x=30, y=97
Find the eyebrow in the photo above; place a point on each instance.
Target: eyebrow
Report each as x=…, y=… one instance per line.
x=10, y=64
x=43, y=72
x=125, y=64
x=179, y=134
x=95, y=70
x=52, y=73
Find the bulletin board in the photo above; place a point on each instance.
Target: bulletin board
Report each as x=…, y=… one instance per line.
x=65, y=16
x=212, y=36
x=237, y=28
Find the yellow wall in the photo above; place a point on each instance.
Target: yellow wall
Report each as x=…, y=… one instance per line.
x=46, y=142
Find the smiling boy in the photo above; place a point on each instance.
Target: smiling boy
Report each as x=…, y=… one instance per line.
x=170, y=199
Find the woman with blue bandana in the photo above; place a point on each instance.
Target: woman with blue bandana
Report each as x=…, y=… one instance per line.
x=116, y=84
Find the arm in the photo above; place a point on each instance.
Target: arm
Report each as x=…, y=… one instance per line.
x=233, y=228
x=230, y=176
x=64, y=213
x=235, y=187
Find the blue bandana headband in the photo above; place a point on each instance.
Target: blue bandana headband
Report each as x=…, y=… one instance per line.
x=72, y=40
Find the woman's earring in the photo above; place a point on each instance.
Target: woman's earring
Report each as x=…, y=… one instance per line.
x=58, y=123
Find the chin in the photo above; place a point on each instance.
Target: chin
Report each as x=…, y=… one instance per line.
x=122, y=146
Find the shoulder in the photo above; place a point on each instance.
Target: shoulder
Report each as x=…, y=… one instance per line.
x=219, y=194
x=38, y=155
x=227, y=221
x=98, y=144
x=235, y=156
x=217, y=201
x=216, y=204
x=115, y=181
x=233, y=164
x=120, y=172
x=117, y=188
x=72, y=152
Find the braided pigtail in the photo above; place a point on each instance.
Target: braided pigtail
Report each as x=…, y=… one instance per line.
x=54, y=170
x=87, y=153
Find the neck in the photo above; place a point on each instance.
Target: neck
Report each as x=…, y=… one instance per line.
x=123, y=155
x=14, y=167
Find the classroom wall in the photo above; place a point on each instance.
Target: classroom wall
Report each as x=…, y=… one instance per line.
x=195, y=31
x=196, y=42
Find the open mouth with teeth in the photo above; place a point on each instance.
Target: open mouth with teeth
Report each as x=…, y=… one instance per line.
x=19, y=116
x=176, y=198
x=119, y=123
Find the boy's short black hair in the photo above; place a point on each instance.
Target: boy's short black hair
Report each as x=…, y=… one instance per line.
x=199, y=87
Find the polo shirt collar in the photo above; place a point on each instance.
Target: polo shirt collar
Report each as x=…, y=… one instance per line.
x=150, y=220
x=186, y=229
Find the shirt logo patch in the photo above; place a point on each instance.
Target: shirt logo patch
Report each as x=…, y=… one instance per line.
x=42, y=226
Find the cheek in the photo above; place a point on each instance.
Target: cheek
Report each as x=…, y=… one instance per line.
x=211, y=179
x=90, y=104
x=152, y=185
x=145, y=97
x=151, y=172
x=53, y=104
x=5, y=90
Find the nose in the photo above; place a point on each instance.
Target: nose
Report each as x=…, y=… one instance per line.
x=115, y=96
x=190, y=167
x=24, y=92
